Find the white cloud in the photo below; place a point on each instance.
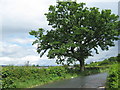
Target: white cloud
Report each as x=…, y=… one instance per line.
x=15, y=54
x=30, y=57
x=22, y=15
x=7, y=61
x=1, y=48
x=22, y=61
x=22, y=40
x=10, y=49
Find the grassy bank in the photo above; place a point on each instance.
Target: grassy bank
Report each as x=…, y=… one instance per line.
x=113, y=79
x=27, y=77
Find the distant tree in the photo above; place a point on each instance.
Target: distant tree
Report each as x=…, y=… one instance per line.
x=86, y=64
x=37, y=65
x=104, y=62
x=91, y=62
x=76, y=32
x=33, y=65
x=111, y=59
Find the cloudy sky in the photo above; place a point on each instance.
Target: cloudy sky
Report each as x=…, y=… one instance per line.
x=18, y=17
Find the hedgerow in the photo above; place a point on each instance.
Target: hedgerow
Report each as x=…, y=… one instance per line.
x=113, y=80
x=14, y=75
x=24, y=77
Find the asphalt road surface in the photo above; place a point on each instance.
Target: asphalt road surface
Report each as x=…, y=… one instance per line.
x=91, y=81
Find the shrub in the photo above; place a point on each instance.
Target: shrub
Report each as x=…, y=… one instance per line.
x=114, y=77
x=21, y=74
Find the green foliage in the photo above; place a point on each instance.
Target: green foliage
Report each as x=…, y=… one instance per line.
x=106, y=62
x=16, y=76
x=113, y=80
x=77, y=31
x=118, y=58
x=24, y=77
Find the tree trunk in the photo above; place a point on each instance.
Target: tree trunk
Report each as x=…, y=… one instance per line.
x=82, y=68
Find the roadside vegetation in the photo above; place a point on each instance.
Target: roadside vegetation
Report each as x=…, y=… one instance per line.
x=113, y=80
x=31, y=76
x=24, y=77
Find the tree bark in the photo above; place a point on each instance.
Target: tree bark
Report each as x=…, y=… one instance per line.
x=82, y=67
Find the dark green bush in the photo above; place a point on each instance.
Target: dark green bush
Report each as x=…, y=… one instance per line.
x=17, y=76
x=113, y=80
x=13, y=74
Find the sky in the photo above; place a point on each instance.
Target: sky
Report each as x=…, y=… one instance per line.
x=19, y=17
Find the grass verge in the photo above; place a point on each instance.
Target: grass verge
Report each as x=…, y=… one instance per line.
x=113, y=79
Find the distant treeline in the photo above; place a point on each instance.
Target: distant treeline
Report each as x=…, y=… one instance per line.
x=108, y=61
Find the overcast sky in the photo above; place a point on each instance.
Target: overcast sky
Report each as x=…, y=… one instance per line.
x=18, y=17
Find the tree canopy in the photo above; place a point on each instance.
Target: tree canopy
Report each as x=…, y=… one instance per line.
x=76, y=32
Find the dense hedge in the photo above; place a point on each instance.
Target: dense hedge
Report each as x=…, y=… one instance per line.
x=24, y=77
x=113, y=80
x=14, y=76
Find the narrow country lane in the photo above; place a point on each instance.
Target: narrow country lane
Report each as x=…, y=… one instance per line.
x=91, y=81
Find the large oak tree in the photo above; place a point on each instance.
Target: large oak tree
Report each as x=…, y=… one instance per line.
x=76, y=32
